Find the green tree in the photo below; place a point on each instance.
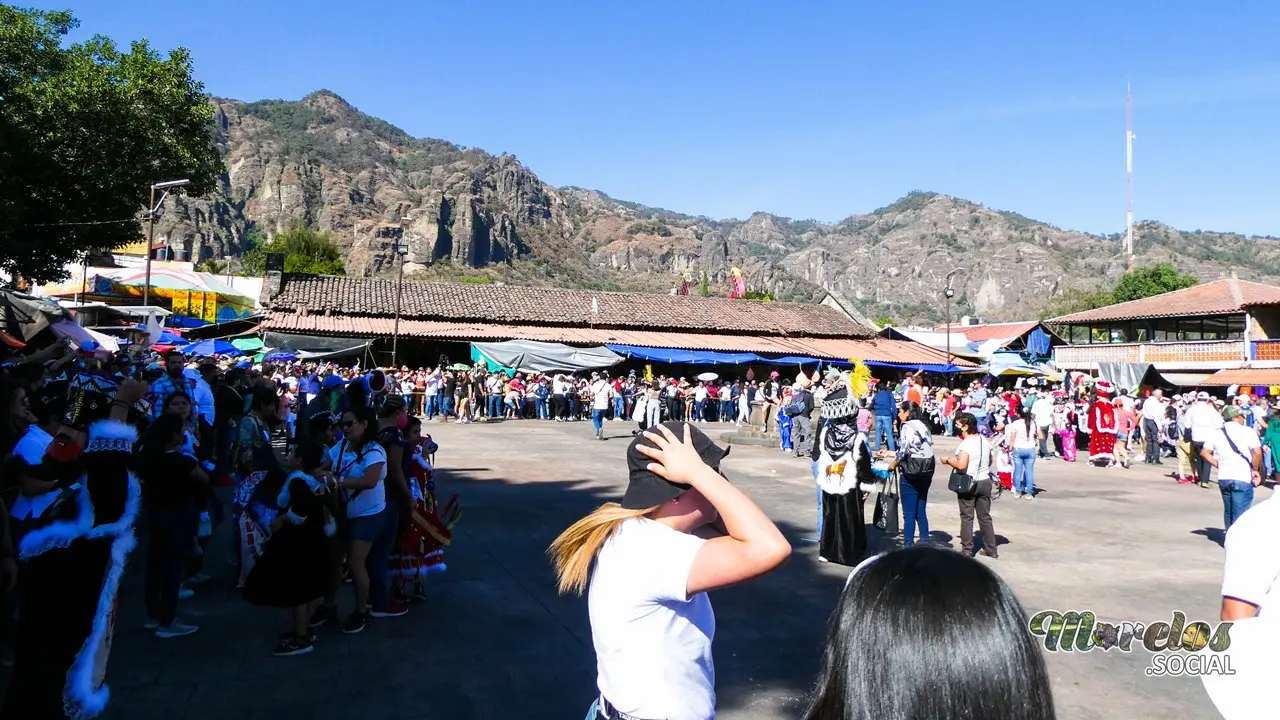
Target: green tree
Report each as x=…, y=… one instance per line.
x=759, y=296
x=1151, y=280
x=1074, y=301
x=305, y=251
x=884, y=321
x=217, y=266
x=704, y=285
x=85, y=129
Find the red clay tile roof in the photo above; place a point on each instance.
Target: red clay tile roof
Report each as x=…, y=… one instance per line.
x=877, y=349
x=991, y=331
x=1243, y=376
x=1219, y=297
x=515, y=305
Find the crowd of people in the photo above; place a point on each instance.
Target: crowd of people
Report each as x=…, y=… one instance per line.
x=99, y=448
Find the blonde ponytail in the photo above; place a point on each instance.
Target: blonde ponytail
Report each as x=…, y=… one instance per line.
x=573, y=552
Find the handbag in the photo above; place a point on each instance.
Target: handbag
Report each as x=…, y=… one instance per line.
x=962, y=483
x=886, y=512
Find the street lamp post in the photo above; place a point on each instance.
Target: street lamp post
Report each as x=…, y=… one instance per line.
x=401, y=248
x=949, y=293
x=152, y=209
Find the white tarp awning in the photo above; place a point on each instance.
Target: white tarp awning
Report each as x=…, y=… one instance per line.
x=533, y=356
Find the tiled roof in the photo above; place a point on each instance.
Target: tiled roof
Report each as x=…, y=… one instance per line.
x=991, y=331
x=1219, y=297
x=506, y=304
x=878, y=349
x=1243, y=376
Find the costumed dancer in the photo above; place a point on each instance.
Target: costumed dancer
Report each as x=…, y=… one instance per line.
x=1064, y=428
x=421, y=549
x=1102, y=426
x=293, y=569
x=74, y=565
x=1003, y=465
x=844, y=465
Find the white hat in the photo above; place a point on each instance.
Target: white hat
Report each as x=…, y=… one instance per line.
x=1202, y=395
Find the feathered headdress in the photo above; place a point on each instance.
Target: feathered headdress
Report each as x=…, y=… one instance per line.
x=859, y=379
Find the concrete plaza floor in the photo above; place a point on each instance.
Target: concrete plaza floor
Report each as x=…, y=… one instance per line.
x=495, y=641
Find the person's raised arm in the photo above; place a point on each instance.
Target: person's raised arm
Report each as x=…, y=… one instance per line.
x=753, y=546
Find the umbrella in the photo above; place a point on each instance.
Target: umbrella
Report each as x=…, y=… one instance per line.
x=206, y=348
x=458, y=366
x=708, y=376
x=276, y=357
x=248, y=344
x=165, y=337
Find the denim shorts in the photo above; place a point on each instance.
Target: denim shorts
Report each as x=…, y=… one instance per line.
x=1122, y=437
x=366, y=527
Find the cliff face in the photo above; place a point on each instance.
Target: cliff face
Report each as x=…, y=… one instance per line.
x=467, y=212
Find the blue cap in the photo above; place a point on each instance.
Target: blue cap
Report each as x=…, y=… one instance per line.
x=332, y=381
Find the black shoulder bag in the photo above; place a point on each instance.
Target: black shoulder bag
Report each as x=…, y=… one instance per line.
x=962, y=483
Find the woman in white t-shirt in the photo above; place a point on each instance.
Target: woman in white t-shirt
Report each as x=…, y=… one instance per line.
x=647, y=573
x=1023, y=438
x=973, y=457
x=359, y=465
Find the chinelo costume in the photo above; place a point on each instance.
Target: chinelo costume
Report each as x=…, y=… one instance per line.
x=1102, y=426
x=421, y=549
x=74, y=561
x=844, y=465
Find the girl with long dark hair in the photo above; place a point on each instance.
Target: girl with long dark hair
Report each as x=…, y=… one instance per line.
x=916, y=464
x=923, y=633
x=360, y=465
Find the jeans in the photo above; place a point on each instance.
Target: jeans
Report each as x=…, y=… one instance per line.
x=544, y=412
x=913, y=491
x=1045, y=434
x=1202, y=466
x=495, y=406
x=618, y=409
x=802, y=434
x=446, y=405
x=652, y=413
x=1024, y=471
x=597, y=419
x=699, y=409
x=883, y=423
x=173, y=534
x=1237, y=496
x=813, y=468
x=1151, y=434
x=726, y=410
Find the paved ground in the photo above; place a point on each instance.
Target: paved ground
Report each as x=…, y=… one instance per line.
x=496, y=642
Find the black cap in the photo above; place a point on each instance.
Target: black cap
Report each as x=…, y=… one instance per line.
x=645, y=489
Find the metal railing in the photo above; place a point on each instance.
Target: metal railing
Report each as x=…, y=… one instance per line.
x=1264, y=350
x=1192, y=351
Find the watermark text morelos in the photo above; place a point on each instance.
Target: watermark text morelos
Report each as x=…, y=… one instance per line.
x=1174, y=645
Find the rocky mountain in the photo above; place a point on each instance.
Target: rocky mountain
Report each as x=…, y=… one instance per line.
x=486, y=218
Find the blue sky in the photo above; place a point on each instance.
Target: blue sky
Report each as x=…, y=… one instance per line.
x=818, y=109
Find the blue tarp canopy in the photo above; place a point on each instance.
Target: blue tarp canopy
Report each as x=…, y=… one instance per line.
x=182, y=321
x=685, y=357
x=927, y=367
x=207, y=348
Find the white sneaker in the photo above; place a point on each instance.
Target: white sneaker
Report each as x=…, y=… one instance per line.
x=186, y=593
x=151, y=625
x=176, y=629
x=1029, y=496
x=1017, y=495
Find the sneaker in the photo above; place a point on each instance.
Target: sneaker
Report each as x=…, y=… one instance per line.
x=391, y=609
x=151, y=625
x=175, y=629
x=289, y=634
x=294, y=646
x=1016, y=494
x=1029, y=496
x=989, y=553
x=323, y=615
x=399, y=598
x=199, y=578
x=822, y=559
x=186, y=593
x=419, y=594
x=355, y=623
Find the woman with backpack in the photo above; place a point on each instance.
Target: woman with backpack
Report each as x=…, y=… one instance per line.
x=973, y=458
x=915, y=463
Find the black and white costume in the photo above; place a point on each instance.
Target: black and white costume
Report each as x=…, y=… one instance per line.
x=844, y=465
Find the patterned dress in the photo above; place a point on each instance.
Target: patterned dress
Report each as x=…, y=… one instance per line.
x=429, y=530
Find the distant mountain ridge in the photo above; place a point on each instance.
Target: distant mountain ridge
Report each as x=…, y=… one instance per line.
x=487, y=217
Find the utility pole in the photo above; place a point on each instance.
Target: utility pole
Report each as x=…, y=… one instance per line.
x=949, y=293
x=401, y=249
x=1128, y=169
x=152, y=209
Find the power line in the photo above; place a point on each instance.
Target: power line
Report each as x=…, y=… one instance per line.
x=88, y=222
